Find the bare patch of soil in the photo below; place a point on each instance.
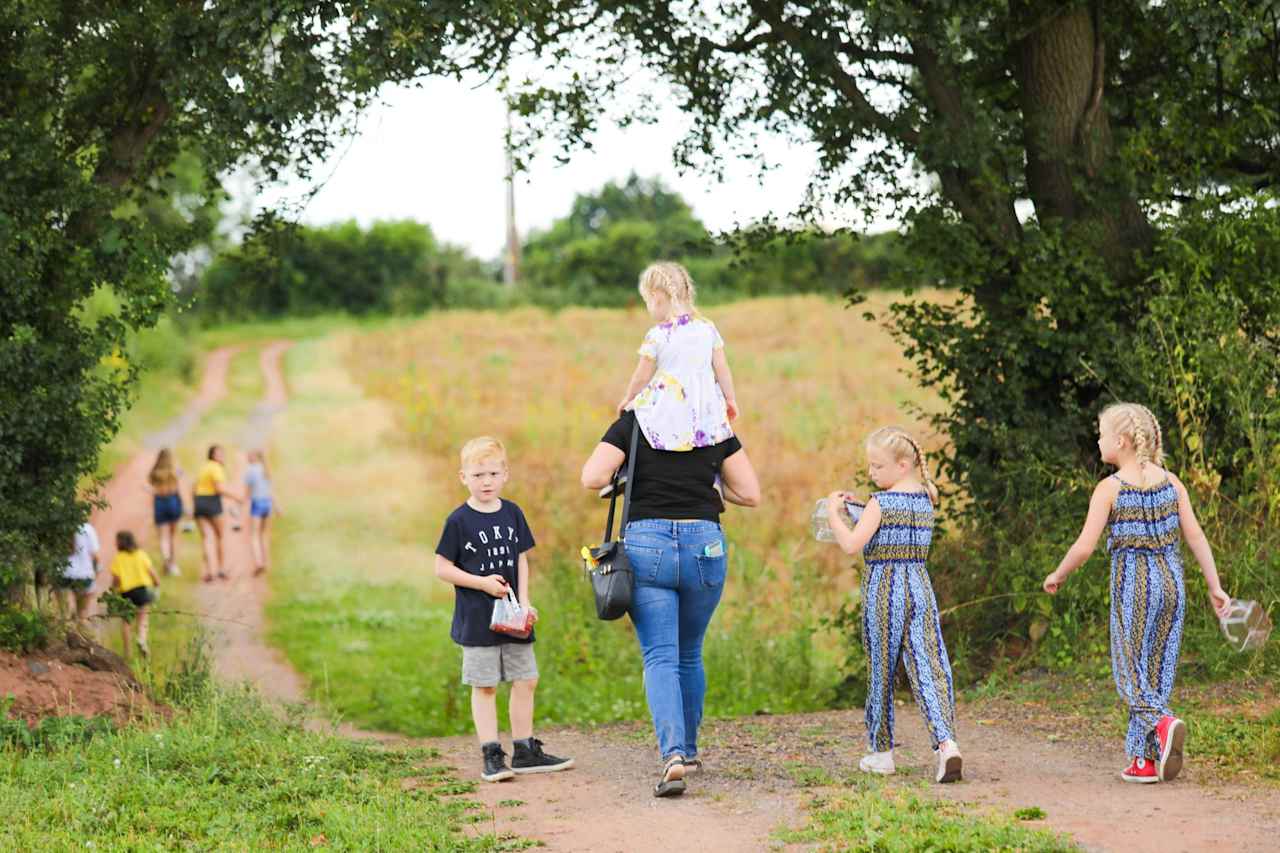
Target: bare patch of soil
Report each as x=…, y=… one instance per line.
x=73, y=677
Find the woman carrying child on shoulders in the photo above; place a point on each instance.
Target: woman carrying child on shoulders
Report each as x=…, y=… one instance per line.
x=900, y=612
x=1143, y=507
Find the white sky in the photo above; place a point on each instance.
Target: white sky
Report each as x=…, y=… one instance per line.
x=435, y=154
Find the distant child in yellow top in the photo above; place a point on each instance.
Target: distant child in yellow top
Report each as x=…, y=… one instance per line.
x=1144, y=508
x=211, y=488
x=682, y=389
x=133, y=576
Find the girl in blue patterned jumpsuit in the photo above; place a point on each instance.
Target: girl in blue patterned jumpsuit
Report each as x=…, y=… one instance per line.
x=1144, y=508
x=900, y=613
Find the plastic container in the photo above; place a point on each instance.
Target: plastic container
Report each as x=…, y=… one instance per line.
x=822, y=527
x=1247, y=626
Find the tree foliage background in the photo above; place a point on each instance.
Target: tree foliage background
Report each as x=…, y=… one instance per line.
x=106, y=108
x=1097, y=179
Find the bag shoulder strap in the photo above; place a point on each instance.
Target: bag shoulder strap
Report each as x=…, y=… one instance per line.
x=626, y=500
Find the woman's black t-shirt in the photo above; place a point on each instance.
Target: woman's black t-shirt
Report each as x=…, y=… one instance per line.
x=672, y=484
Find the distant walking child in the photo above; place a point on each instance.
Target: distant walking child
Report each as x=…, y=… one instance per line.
x=1144, y=507
x=483, y=552
x=78, y=575
x=135, y=579
x=900, y=612
x=257, y=481
x=682, y=389
x=166, y=503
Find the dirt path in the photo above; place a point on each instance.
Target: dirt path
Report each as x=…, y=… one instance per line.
x=233, y=609
x=762, y=771
x=128, y=506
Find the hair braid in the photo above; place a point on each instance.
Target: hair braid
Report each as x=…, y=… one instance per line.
x=1157, y=440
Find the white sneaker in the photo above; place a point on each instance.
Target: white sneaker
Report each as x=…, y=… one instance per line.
x=878, y=762
x=949, y=762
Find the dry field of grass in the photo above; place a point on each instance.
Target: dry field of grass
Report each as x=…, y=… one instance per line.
x=813, y=379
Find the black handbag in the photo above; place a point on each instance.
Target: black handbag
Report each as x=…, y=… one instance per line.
x=608, y=568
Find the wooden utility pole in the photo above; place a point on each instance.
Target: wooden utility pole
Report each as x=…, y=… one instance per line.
x=511, y=261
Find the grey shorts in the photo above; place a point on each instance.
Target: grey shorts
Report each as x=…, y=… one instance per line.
x=486, y=666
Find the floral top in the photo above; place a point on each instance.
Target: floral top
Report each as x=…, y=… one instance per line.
x=683, y=406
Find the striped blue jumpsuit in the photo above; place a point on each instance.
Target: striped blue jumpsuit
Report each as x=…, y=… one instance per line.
x=1147, y=607
x=900, y=620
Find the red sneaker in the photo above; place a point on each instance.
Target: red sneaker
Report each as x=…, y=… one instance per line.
x=1170, y=732
x=1142, y=771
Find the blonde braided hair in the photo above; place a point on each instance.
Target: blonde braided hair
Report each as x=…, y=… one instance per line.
x=1136, y=423
x=899, y=442
x=672, y=279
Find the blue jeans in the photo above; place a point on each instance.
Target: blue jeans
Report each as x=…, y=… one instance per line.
x=679, y=576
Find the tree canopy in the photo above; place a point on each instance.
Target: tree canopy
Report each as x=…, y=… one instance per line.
x=105, y=109
x=1042, y=153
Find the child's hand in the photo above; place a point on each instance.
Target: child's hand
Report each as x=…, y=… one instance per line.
x=533, y=613
x=731, y=406
x=1221, y=602
x=1053, y=583
x=495, y=585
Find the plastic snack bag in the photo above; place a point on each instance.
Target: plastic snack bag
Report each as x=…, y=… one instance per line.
x=822, y=527
x=1247, y=626
x=510, y=618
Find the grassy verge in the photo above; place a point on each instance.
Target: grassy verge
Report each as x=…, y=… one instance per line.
x=229, y=774
x=870, y=814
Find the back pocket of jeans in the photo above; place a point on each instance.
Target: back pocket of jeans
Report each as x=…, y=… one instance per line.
x=712, y=569
x=645, y=561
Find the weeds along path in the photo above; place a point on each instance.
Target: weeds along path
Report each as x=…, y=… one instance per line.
x=127, y=503
x=233, y=609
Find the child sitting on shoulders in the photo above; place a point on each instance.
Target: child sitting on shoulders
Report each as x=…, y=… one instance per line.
x=682, y=390
x=900, y=612
x=1143, y=507
x=483, y=552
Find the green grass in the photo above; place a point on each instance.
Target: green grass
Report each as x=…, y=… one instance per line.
x=230, y=775
x=872, y=814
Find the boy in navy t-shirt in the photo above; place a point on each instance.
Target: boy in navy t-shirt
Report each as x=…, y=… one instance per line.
x=483, y=552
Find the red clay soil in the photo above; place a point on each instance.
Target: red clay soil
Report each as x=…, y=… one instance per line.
x=77, y=677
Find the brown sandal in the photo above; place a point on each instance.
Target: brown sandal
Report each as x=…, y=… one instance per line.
x=671, y=784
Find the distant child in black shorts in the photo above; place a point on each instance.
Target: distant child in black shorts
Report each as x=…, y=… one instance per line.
x=483, y=552
x=133, y=576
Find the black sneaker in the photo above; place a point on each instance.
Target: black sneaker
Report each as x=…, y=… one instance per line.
x=495, y=764
x=531, y=759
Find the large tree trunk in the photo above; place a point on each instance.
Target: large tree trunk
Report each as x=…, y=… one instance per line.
x=1061, y=70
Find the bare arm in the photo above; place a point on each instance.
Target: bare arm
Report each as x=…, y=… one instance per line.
x=227, y=493
x=1199, y=545
x=720, y=364
x=597, y=471
x=852, y=541
x=643, y=373
x=738, y=477
x=1104, y=496
x=522, y=584
x=449, y=573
